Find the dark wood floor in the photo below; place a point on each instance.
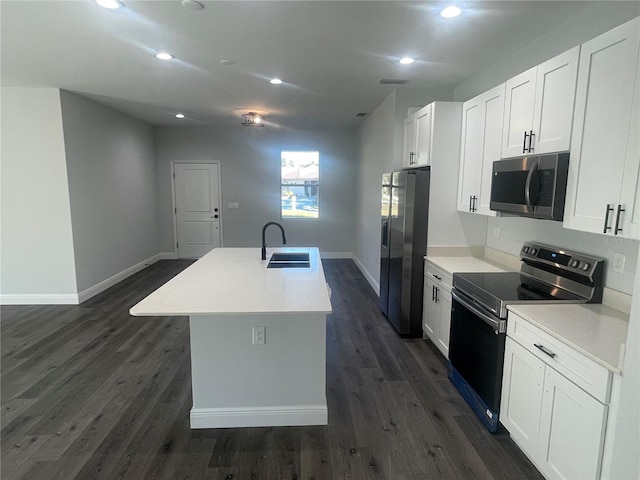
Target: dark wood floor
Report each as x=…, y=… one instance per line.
x=89, y=392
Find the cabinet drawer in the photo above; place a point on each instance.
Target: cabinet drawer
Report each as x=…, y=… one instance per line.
x=592, y=377
x=439, y=276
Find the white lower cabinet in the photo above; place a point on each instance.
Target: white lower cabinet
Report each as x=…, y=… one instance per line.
x=436, y=312
x=557, y=424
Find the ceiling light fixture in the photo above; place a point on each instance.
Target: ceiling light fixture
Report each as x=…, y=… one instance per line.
x=450, y=11
x=164, y=56
x=192, y=5
x=110, y=4
x=275, y=81
x=179, y=115
x=406, y=60
x=252, y=119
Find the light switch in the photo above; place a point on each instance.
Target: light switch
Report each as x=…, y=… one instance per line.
x=618, y=262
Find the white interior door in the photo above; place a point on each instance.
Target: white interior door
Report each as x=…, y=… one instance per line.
x=197, y=197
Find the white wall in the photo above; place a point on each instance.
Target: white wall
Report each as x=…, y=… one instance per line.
x=111, y=169
x=250, y=166
x=36, y=240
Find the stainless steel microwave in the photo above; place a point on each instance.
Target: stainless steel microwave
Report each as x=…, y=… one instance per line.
x=533, y=186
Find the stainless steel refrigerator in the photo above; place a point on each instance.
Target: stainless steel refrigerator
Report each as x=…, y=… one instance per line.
x=404, y=221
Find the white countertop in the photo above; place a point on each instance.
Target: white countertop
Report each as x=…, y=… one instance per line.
x=236, y=280
x=598, y=331
x=466, y=264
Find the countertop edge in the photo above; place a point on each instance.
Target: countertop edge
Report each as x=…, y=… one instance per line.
x=617, y=369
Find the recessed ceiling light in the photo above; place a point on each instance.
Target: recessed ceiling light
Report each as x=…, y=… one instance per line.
x=179, y=115
x=275, y=81
x=226, y=61
x=406, y=61
x=164, y=56
x=110, y=4
x=451, y=11
x=192, y=5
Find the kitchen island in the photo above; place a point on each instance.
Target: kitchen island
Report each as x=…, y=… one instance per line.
x=242, y=376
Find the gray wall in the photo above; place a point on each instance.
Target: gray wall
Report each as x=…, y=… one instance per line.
x=36, y=238
x=250, y=166
x=601, y=17
x=589, y=23
x=377, y=153
x=111, y=170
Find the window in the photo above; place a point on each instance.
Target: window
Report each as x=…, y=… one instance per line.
x=299, y=178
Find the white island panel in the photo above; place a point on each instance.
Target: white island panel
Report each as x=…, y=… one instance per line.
x=238, y=384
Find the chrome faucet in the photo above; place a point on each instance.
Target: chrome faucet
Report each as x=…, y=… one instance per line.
x=264, y=241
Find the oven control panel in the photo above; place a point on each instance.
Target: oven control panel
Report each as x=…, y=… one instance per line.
x=561, y=258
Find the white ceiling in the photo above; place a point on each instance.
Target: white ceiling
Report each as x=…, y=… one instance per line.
x=330, y=55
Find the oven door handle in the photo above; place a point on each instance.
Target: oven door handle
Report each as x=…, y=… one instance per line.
x=500, y=325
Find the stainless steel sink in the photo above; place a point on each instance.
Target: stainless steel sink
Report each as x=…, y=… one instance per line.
x=289, y=260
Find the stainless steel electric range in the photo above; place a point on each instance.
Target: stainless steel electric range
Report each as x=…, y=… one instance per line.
x=479, y=315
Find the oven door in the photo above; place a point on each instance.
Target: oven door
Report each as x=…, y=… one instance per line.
x=476, y=355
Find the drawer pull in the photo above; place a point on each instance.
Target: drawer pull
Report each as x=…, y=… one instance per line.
x=545, y=350
x=436, y=276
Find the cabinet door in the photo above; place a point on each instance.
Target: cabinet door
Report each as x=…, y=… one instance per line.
x=444, y=323
x=518, y=113
x=481, y=143
x=409, y=143
x=493, y=118
x=601, y=127
x=424, y=119
x=470, y=153
x=554, y=102
x=572, y=427
x=630, y=195
x=430, y=310
x=522, y=388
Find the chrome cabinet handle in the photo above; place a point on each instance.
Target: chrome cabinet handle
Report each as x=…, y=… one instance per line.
x=524, y=143
x=545, y=350
x=475, y=200
x=433, y=293
x=620, y=210
x=606, y=218
x=470, y=200
x=531, y=135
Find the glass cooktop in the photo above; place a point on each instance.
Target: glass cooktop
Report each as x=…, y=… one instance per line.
x=496, y=290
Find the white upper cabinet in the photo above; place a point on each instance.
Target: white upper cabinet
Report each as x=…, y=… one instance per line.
x=409, y=141
x=603, y=194
x=539, y=107
x=430, y=133
x=424, y=118
x=482, y=118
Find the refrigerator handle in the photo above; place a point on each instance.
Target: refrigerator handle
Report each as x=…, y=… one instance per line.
x=385, y=234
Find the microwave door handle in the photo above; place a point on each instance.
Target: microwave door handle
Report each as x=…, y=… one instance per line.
x=527, y=185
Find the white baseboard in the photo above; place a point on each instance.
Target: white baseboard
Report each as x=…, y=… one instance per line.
x=118, y=277
x=372, y=281
x=259, y=416
x=75, y=299
x=39, y=299
x=336, y=255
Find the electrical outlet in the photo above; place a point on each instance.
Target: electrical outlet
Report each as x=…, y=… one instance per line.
x=232, y=205
x=258, y=335
x=618, y=262
x=496, y=232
